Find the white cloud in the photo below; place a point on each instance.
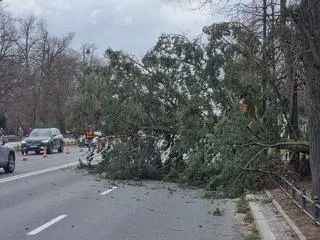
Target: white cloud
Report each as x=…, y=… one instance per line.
x=94, y=14
x=175, y=15
x=125, y=5
x=22, y=7
x=38, y=7
x=188, y=17
x=110, y=22
x=127, y=21
x=60, y=4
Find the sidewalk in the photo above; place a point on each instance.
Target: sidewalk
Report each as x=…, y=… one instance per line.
x=268, y=219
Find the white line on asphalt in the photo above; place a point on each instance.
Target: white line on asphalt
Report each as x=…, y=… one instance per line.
x=46, y=225
x=29, y=174
x=108, y=191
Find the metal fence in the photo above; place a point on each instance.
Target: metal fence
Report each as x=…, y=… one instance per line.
x=310, y=207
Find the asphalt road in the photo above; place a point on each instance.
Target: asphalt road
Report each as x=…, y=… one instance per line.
x=37, y=162
x=72, y=205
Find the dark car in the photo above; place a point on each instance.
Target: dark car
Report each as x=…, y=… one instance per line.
x=39, y=138
x=7, y=157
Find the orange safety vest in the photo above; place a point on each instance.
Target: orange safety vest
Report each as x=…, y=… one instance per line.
x=89, y=134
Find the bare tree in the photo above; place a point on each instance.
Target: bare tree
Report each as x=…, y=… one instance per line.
x=56, y=76
x=9, y=60
x=25, y=47
x=88, y=52
x=26, y=42
x=45, y=68
x=306, y=16
x=63, y=80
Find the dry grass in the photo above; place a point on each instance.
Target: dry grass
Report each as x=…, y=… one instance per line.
x=305, y=185
x=303, y=222
x=246, y=221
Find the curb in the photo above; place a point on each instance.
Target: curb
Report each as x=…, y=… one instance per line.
x=260, y=222
x=286, y=217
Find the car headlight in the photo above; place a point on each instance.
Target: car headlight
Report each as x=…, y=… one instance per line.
x=23, y=142
x=45, y=141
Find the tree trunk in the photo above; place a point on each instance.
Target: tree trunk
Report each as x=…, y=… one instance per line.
x=294, y=119
x=283, y=13
x=307, y=20
x=264, y=54
x=288, y=49
x=314, y=122
x=294, y=114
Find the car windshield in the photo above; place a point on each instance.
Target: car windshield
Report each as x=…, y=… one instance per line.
x=40, y=133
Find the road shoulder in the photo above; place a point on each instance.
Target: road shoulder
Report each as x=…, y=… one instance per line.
x=298, y=218
x=269, y=220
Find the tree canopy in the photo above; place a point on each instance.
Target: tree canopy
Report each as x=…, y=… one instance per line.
x=221, y=110
x=226, y=110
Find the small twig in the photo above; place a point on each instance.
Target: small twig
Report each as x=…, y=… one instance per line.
x=279, y=144
x=256, y=170
x=173, y=161
x=248, y=164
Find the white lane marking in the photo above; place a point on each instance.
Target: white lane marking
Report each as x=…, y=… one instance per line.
x=108, y=191
x=29, y=174
x=46, y=225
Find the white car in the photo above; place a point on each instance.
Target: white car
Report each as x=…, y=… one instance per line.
x=7, y=157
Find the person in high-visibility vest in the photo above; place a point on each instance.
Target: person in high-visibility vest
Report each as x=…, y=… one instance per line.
x=89, y=136
x=250, y=112
x=245, y=108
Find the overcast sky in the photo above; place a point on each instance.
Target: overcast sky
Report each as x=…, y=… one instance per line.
x=131, y=25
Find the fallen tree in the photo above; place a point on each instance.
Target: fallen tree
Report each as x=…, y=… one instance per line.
x=301, y=147
x=177, y=92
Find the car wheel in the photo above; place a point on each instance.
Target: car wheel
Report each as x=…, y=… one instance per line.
x=50, y=150
x=60, y=149
x=11, y=164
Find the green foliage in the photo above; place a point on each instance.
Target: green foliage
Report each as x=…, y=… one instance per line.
x=85, y=106
x=132, y=159
x=254, y=235
x=187, y=94
x=219, y=157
